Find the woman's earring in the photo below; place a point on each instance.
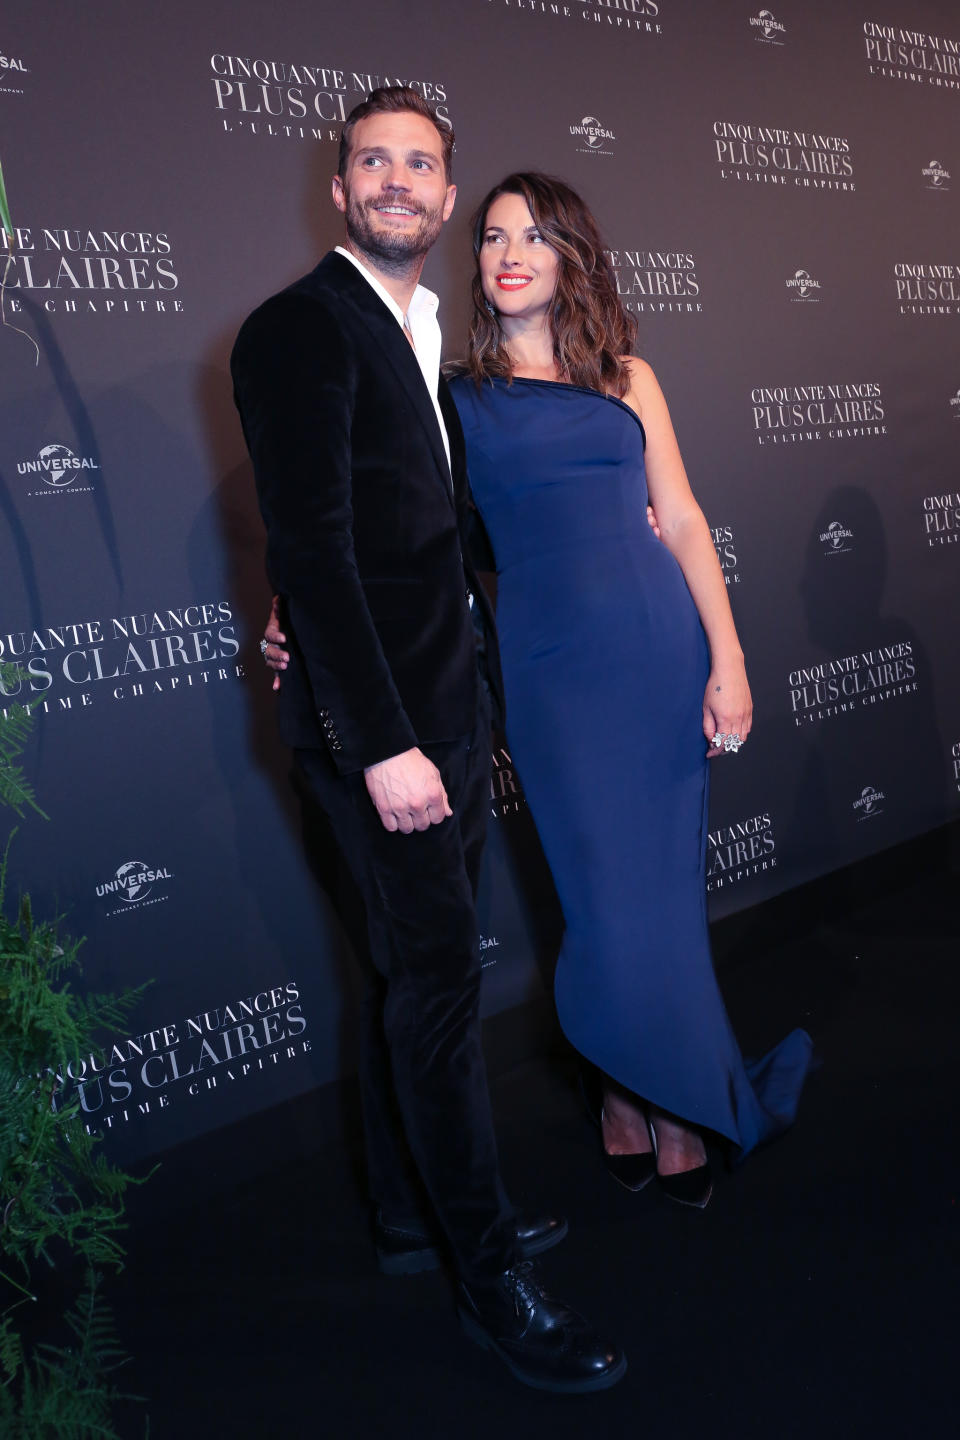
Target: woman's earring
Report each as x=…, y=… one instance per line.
x=490, y=306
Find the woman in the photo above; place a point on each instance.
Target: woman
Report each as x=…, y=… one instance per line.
x=622, y=671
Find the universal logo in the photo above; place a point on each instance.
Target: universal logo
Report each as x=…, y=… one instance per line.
x=595, y=134
x=803, y=288
x=771, y=30
x=955, y=405
x=11, y=69
x=134, y=883
x=869, y=805
x=937, y=176
x=835, y=539
x=59, y=469
x=488, y=943
x=726, y=548
x=955, y=758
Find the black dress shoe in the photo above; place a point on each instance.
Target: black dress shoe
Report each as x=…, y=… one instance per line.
x=541, y=1340
x=406, y=1252
x=537, y=1233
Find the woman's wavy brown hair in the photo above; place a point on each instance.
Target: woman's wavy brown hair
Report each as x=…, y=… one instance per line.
x=591, y=329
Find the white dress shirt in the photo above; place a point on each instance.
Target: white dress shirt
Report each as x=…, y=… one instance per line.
x=421, y=321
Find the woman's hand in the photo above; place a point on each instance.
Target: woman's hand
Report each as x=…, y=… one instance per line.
x=276, y=658
x=727, y=704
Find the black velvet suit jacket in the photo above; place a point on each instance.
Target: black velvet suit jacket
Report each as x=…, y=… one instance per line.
x=367, y=542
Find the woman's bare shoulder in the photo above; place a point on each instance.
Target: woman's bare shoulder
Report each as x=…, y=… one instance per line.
x=641, y=373
x=643, y=389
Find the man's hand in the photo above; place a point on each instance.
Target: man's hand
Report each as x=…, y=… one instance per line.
x=277, y=659
x=408, y=792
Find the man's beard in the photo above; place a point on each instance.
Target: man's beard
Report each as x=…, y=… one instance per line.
x=394, y=250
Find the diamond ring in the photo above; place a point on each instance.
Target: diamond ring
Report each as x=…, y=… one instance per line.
x=263, y=647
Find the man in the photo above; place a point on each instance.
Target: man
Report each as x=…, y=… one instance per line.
x=358, y=459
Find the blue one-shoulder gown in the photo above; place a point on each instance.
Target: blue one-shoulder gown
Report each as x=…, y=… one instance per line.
x=605, y=664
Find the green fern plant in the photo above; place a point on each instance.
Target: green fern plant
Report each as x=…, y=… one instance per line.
x=15, y=725
x=68, y=1392
x=61, y=1199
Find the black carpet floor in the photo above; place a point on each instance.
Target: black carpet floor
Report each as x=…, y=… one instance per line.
x=816, y=1296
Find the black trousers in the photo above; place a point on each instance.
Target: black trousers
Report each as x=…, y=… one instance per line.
x=422, y=1072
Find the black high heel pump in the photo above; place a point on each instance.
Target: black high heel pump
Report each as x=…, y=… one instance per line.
x=631, y=1171
x=689, y=1187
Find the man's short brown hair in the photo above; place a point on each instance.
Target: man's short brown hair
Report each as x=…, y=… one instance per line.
x=391, y=100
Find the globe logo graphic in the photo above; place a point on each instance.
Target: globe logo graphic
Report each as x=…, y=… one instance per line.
x=134, y=888
x=591, y=122
x=767, y=23
x=836, y=538
x=869, y=797
x=57, y=457
x=804, y=285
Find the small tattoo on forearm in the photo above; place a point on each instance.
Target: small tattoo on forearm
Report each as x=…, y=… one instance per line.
x=718, y=688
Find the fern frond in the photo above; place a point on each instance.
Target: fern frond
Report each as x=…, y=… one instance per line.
x=11, y=1350
x=16, y=790
x=59, y=1194
x=16, y=724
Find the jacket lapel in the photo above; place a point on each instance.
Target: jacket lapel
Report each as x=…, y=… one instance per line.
x=390, y=341
x=458, y=449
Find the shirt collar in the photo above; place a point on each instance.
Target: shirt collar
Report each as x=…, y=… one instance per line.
x=423, y=301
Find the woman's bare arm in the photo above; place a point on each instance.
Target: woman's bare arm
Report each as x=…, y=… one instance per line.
x=728, y=707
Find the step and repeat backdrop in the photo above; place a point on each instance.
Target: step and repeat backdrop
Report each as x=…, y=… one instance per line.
x=780, y=193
